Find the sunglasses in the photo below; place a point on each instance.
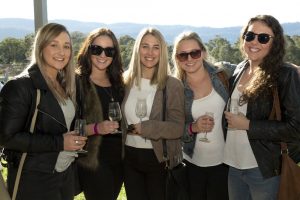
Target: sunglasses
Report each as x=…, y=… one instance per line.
x=262, y=38
x=195, y=54
x=97, y=50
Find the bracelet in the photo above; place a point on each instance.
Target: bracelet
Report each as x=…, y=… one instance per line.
x=96, y=129
x=190, y=129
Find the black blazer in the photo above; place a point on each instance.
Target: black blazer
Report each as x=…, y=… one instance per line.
x=265, y=135
x=17, y=102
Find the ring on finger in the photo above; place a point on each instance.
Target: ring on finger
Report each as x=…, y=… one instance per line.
x=76, y=142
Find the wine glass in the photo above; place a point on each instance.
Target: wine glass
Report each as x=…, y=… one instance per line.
x=80, y=130
x=114, y=113
x=232, y=107
x=141, y=109
x=210, y=116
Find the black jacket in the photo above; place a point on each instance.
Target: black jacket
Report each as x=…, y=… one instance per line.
x=17, y=102
x=265, y=135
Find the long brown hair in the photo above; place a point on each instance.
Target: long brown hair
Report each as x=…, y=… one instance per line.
x=267, y=74
x=115, y=69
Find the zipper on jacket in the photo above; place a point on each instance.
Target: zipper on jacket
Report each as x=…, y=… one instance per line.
x=52, y=118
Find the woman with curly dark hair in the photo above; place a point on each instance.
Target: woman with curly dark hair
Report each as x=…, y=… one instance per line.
x=99, y=82
x=252, y=147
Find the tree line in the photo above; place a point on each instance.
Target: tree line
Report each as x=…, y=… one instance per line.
x=15, y=53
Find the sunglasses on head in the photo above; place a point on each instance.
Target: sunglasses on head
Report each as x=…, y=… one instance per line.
x=195, y=54
x=262, y=38
x=97, y=50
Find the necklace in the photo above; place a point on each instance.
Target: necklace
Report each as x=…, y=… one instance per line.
x=110, y=94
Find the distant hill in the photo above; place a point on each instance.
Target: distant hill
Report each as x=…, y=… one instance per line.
x=18, y=28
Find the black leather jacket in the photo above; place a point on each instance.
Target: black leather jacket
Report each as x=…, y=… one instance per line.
x=17, y=102
x=265, y=135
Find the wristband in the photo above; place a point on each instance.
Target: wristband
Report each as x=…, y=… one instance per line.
x=190, y=129
x=96, y=129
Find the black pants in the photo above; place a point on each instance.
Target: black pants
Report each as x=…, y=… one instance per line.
x=144, y=175
x=105, y=182
x=208, y=183
x=36, y=185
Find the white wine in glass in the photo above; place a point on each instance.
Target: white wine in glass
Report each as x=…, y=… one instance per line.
x=210, y=116
x=232, y=107
x=80, y=130
x=114, y=113
x=141, y=109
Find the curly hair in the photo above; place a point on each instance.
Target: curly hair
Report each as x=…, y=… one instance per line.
x=267, y=74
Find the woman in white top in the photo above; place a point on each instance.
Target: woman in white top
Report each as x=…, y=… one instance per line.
x=205, y=97
x=252, y=150
x=146, y=78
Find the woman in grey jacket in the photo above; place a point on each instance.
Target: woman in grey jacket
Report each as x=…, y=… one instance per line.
x=146, y=78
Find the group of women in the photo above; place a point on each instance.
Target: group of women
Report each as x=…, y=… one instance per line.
x=228, y=155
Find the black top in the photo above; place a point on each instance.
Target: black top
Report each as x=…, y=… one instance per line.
x=111, y=146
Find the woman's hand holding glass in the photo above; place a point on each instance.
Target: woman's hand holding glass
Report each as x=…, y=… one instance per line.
x=232, y=107
x=80, y=130
x=235, y=119
x=107, y=127
x=114, y=114
x=206, y=124
x=73, y=142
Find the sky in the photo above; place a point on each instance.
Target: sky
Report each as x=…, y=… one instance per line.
x=199, y=13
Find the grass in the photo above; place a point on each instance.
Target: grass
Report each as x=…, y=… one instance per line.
x=122, y=195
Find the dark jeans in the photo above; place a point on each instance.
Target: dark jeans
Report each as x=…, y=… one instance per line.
x=36, y=185
x=144, y=175
x=208, y=183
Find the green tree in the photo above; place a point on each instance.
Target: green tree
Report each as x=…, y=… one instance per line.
x=292, y=51
x=220, y=49
x=77, y=39
x=28, y=44
x=12, y=50
x=126, y=45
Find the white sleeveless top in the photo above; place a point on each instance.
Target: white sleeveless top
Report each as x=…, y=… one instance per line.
x=238, y=152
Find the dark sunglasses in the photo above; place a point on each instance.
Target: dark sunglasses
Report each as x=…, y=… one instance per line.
x=262, y=38
x=195, y=54
x=97, y=50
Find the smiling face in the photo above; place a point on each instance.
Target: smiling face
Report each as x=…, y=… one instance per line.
x=254, y=50
x=149, y=51
x=57, y=53
x=101, y=62
x=191, y=65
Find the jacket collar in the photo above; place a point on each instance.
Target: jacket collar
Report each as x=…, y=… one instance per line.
x=37, y=77
x=39, y=82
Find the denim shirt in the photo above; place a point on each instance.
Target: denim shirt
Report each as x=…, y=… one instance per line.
x=190, y=140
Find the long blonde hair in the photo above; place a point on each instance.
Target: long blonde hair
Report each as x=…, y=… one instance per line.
x=134, y=73
x=66, y=76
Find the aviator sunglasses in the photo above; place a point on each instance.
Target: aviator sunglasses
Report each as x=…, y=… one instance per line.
x=262, y=38
x=97, y=50
x=195, y=54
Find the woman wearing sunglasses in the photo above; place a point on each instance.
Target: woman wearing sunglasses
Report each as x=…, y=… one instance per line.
x=99, y=82
x=205, y=98
x=146, y=78
x=252, y=149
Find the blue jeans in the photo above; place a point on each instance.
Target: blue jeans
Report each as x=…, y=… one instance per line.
x=249, y=184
